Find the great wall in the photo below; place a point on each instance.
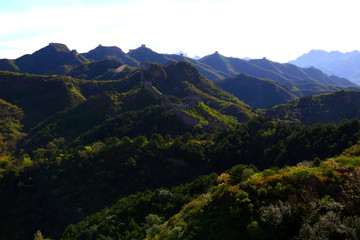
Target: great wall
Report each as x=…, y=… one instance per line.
x=62, y=49
x=177, y=109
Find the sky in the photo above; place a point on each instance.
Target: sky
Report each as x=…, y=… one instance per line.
x=280, y=30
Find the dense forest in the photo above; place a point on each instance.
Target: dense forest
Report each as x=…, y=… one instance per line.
x=324, y=108
x=162, y=152
x=256, y=92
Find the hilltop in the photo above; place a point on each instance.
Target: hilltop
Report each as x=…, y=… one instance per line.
x=103, y=52
x=143, y=53
x=334, y=62
x=54, y=58
x=324, y=108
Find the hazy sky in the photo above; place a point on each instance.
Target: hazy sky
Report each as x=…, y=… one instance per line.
x=280, y=30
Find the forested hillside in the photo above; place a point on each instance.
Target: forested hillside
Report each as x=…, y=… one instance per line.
x=107, y=69
x=257, y=92
x=313, y=200
x=38, y=96
x=76, y=182
x=330, y=107
x=161, y=152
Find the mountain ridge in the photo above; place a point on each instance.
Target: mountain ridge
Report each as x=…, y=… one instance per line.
x=213, y=65
x=49, y=58
x=88, y=143
x=334, y=62
x=111, y=63
x=103, y=52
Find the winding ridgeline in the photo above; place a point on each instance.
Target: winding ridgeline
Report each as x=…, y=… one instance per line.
x=142, y=145
x=56, y=58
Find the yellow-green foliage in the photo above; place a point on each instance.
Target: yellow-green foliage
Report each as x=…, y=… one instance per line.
x=39, y=96
x=10, y=131
x=349, y=159
x=290, y=175
x=74, y=94
x=207, y=114
x=182, y=80
x=175, y=227
x=353, y=151
x=270, y=197
x=155, y=89
x=210, y=215
x=221, y=100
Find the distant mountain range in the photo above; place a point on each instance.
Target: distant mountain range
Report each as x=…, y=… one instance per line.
x=111, y=63
x=345, y=65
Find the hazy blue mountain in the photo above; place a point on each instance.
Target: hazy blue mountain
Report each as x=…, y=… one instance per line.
x=345, y=65
x=321, y=57
x=294, y=73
